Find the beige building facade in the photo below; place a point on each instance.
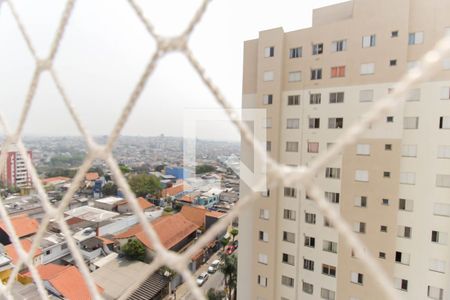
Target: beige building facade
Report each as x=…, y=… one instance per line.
x=392, y=186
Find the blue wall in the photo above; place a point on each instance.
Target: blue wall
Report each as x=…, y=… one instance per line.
x=178, y=172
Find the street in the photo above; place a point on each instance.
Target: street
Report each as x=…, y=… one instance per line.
x=214, y=281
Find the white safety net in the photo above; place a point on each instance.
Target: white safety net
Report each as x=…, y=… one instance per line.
x=278, y=172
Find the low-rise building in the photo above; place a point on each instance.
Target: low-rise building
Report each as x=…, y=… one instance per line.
x=24, y=227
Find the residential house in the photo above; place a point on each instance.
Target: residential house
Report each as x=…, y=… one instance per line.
x=24, y=226
x=124, y=207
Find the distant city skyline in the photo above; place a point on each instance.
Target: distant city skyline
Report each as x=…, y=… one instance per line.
x=103, y=54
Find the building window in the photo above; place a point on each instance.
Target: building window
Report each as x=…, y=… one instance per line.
x=361, y=175
x=363, y=149
x=361, y=201
x=337, y=97
x=338, y=71
x=287, y=281
x=291, y=146
x=339, y=46
x=386, y=174
x=288, y=237
x=359, y=227
x=263, y=259
x=329, y=246
x=357, y=278
x=445, y=93
x=394, y=34
x=290, y=192
x=308, y=264
x=294, y=100
x=366, y=96
x=289, y=214
x=404, y=231
x=410, y=122
x=435, y=293
x=264, y=214
x=315, y=98
x=295, y=52
x=443, y=151
x=263, y=236
x=316, y=74
x=393, y=62
x=295, y=76
x=382, y=255
x=437, y=265
x=367, y=69
x=408, y=178
x=267, y=99
x=317, y=49
x=262, y=281
x=310, y=218
x=268, y=76
x=314, y=123
x=308, y=288
x=333, y=173
x=335, y=123
x=328, y=270
x=409, y=150
x=313, y=147
x=402, y=257
x=401, y=284
x=383, y=228
x=413, y=95
x=293, y=123
x=443, y=180
x=415, y=38
x=439, y=237
x=441, y=209
x=388, y=147
x=405, y=204
x=389, y=119
x=310, y=241
x=368, y=41
x=327, y=294
x=444, y=122
x=332, y=197
x=269, y=52
x=385, y=201
x=268, y=146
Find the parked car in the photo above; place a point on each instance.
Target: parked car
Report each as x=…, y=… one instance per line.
x=213, y=266
x=236, y=244
x=201, y=279
x=230, y=249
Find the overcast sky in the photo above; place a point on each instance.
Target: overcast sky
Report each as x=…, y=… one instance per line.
x=106, y=47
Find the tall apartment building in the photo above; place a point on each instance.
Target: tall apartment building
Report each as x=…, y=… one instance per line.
x=15, y=173
x=392, y=186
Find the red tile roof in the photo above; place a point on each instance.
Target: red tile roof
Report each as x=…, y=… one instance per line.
x=194, y=214
x=170, y=229
x=187, y=198
x=92, y=176
x=142, y=202
x=215, y=214
x=55, y=180
x=12, y=253
x=23, y=225
x=175, y=190
x=71, y=284
x=48, y=271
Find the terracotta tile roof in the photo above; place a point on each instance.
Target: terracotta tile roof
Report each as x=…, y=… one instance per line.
x=105, y=240
x=55, y=180
x=12, y=253
x=215, y=214
x=143, y=203
x=175, y=190
x=48, y=271
x=170, y=229
x=71, y=284
x=91, y=176
x=187, y=198
x=132, y=231
x=194, y=214
x=23, y=225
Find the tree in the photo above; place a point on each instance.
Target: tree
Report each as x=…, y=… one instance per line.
x=224, y=242
x=143, y=184
x=109, y=189
x=214, y=294
x=229, y=270
x=160, y=168
x=201, y=169
x=124, y=168
x=234, y=232
x=134, y=250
